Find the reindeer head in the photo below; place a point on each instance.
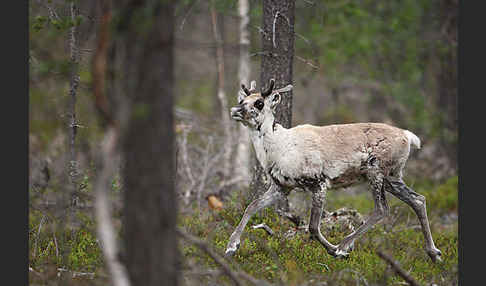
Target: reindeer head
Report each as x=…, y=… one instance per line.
x=252, y=105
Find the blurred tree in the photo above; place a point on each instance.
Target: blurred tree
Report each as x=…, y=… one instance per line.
x=225, y=119
x=447, y=76
x=242, y=158
x=277, y=59
x=141, y=73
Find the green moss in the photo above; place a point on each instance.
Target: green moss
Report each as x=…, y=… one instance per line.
x=77, y=249
x=445, y=196
x=85, y=253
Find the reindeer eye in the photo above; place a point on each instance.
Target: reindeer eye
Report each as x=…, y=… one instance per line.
x=259, y=104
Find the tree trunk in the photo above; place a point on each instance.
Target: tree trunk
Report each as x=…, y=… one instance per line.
x=225, y=119
x=242, y=150
x=73, y=124
x=142, y=70
x=277, y=59
x=447, y=78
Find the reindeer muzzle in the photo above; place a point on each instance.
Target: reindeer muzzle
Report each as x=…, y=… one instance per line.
x=237, y=113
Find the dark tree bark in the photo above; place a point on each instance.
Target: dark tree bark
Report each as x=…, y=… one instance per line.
x=278, y=52
x=277, y=60
x=142, y=88
x=447, y=76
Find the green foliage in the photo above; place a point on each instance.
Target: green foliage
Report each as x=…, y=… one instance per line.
x=444, y=197
x=383, y=42
x=39, y=22
x=339, y=114
x=61, y=24
x=197, y=96
x=224, y=5
x=85, y=253
x=77, y=249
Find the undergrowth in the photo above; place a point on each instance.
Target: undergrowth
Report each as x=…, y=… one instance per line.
x=300, y=260
x=277, y=259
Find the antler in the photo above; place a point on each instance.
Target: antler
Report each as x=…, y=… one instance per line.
x=270, y=88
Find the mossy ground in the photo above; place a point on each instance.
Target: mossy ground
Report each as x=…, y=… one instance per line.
x=299, y=260
x=276, y=259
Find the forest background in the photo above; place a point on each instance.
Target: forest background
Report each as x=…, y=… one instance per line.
x=354, y=61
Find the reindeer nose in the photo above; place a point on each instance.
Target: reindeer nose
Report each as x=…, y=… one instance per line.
x=235, y=109
x=236, y=112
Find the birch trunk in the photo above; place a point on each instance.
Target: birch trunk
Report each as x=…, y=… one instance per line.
x=103, y=208
x=222, y=96
x=243, y=148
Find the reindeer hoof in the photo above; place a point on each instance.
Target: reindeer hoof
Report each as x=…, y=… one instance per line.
x=435, y=255
x=230, y=251
x=340, y=254
x=351, y=247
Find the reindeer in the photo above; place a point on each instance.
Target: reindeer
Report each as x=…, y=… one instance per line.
x=320, y=158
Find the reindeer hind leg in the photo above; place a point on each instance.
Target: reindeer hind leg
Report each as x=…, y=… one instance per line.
x=416, y=201
x=381, y=209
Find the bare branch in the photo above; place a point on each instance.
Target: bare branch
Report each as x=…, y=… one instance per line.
x=218, y=259
x=396, y=267
x=273, y=29
x=274, y=22
x=265, y=227
x=187, y=167
x=38, y=233
x=308, y=62
x=105, y=228
x=187, y=14
x=52, y=13
x=309, y=2
x=55, y=243
x=307, y=41
x=264, y=53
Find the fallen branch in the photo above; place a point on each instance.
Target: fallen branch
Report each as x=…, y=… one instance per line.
x=75, y=274
x=396, y=267
x=35, y=272
x=202, y=245
x=265, y=227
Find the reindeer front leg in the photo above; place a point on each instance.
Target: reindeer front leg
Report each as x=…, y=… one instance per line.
x=318, y=197
x=271, y=196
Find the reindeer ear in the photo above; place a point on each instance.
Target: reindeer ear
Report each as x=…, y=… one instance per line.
x=253, y=86
x=241, y=96
x=276, y=98
x=242, y=93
